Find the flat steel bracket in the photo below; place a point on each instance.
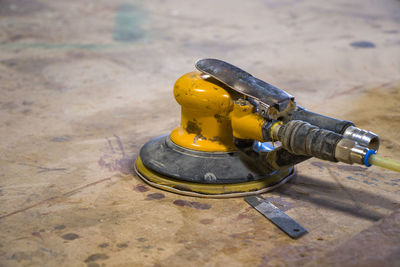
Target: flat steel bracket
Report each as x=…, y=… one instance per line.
x=276, y=216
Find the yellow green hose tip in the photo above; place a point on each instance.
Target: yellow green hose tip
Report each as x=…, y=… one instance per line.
x=382, y=162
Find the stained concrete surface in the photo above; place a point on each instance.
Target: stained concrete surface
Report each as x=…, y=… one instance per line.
x=83, y=84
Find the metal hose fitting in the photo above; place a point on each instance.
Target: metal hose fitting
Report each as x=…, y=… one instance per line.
x=348, y=151
x=362, y=137
x=302, y=138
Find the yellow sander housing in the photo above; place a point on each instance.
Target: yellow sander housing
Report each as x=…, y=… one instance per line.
x=240, y=136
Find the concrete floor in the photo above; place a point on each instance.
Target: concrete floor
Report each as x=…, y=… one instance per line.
x=84, y=84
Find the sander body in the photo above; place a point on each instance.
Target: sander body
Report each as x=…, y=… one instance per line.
x=241, y=136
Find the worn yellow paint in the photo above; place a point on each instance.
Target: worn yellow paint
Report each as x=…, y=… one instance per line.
x=207, y=190
x=246, y=123
x=205, y=123
x=210, y=118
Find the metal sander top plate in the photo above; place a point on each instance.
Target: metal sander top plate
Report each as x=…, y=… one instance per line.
x=244, y=83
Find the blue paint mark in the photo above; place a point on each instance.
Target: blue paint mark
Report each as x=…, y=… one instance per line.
x=128, y=24
x=352, y=178
x=363, y=44
x=360, y=174
x=366, y=182
x=396, y=180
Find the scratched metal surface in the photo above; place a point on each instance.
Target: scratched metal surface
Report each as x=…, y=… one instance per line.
x=83, y=84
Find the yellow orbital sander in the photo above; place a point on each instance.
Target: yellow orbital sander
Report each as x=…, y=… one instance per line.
x=242, y=136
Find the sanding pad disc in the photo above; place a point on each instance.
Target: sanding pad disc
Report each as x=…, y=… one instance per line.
x=165, y=165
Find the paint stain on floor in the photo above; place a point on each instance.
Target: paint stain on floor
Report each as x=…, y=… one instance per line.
x=363, y=44
x=128, y=24
x=96, y=256
x=192, y=204
x=70, y=236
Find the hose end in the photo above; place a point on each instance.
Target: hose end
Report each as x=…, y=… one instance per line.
x=362, y=137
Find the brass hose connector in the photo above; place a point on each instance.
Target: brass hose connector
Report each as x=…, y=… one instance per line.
x=348, y=151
